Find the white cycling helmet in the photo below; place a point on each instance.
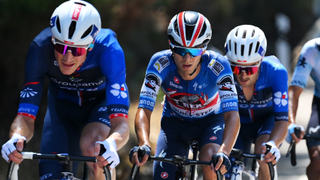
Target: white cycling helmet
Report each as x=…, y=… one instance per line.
x=75, y=22
x=245, y=44
x=189, y=29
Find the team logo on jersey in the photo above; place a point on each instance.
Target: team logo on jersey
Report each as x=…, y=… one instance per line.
x=280, y=98
x=119, y=91
x=216, y=67
x=103, y=109
x=313, y=130
x=161, y=64
x=213, y=138
x=302, y=61
x=73, y=79
x=46, y=176
x=28, y=92
x=152, y=81
x=226, y=83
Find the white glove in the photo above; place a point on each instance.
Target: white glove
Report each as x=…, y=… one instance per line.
x=273, y=149
x=111, y=154
x=291, y=130
x=9, y=146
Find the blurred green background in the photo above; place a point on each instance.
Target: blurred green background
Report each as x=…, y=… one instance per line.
x=141, y=28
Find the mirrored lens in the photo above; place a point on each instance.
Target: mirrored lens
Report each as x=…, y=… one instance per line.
x=76, y=51
x=192, y=51
x=249, y=70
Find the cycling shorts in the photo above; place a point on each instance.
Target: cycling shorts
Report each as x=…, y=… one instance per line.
x=62, y=128
x=314, y=125
x=175, y=138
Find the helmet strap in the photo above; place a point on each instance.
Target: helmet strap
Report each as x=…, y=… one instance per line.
x=196, y=67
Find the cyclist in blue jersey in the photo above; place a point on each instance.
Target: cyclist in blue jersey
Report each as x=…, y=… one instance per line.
x=261, y=83
x=200, y=103
x=88, y=99
x=308, y=65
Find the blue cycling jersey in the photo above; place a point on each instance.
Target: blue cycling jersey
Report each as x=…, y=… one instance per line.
x=270, y=95
x=211, y=92
x=101, y=75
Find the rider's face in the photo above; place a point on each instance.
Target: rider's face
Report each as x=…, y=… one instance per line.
x=244, y=79
x=186, y=65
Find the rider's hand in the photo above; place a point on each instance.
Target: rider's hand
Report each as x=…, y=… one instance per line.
x=109, y=155
x=12, y=148
x=134, y=154
x=273, y=155
x=221, y=162
x=291, y=135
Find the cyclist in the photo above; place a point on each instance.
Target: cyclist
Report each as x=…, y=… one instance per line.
x=261, y=83
x=87, y=99
x=200, y=103
x=307, y=65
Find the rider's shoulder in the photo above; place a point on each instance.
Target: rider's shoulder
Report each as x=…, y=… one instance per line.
x=273, y=63
x=106, y=37
x=211, y=56
x=44, y=37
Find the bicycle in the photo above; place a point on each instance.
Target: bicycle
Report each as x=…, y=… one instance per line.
x=239, y=169
x=66, y=159
x=180, y=161
x=292, y=147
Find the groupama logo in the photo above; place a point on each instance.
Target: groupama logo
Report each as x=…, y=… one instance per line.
x=280, y=98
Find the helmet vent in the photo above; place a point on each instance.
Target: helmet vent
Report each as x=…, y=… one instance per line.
x=203, y=30
x=242, y=50
x=253, y=33
x=189, y=32
x=176, y=28
x=244, y=34
x=229, y=45
x=250, y=47
x=72, y=28
x=237, y=32
x=87, y=32
x=58, y=24
x=257, y=47
x=235, y=48
x=80, y=3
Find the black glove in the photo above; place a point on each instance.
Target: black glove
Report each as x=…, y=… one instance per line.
x=142, y=150
x=226, y=161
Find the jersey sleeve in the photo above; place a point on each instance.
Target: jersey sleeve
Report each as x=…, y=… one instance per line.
x=305, y=64
x=225, y=83
x=156, y=71
x=35, y=68
x=280, y=93
x=113, y=68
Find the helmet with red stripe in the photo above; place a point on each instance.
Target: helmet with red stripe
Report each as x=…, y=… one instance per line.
x=189, y=29
x=75, y=22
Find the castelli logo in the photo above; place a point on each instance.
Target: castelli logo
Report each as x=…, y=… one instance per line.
x=213, y=138
x=164, y=175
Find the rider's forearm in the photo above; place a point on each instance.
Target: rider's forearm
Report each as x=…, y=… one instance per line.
x=24, y=126
x=120, y=131
x=142, y=126
x=231, y=130
x=279, y=132
x=293, y=94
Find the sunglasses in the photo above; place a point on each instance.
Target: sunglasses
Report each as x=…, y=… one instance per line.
x=249, y=70
x=182, y=51
x=63, y=49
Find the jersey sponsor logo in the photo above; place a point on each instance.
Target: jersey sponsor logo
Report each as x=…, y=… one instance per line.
x=161, y=63
x=228, y=96
x=175, y=85
x=46, y=176
x=119, y=110
x=216, y=129
x=176, y=80
x=152, y=81
x=164, y=175
x=226, y=83
x=216, y=67
x=76, y=12
x=196, y=86
x=73, y=79
x=229, y=105
x=25, y=109
x=103, y=109
x=302, y=62
x=28, y=92
x=119, y=90
x=74, y=84
x=313, y=130
x=279, y=118
x=146, y=102
x=213, y=138
x=280, y=98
